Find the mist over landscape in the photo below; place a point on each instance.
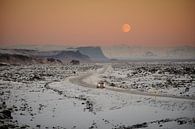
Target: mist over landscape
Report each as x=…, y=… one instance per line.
x=103, y=53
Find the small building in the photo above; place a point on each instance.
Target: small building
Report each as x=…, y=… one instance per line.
x=101, y=84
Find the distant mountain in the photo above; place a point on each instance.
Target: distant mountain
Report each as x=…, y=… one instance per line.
x=24, y=59
x=185, y=52
x=125, y=52
x=59, y=52
x=94, y=53
x=35, y=56
x=18, y=51
x=149, y=54
x=97, y=54
x=65, y=55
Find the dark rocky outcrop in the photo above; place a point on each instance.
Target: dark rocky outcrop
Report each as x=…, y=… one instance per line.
x=94, y=53
x=22, y=56
x=5, y=114
x=75, y=62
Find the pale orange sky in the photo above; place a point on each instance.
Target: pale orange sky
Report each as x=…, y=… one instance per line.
x=97, y=22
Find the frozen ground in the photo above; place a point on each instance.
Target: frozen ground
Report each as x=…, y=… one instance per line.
x=168, y=79
x=52, y=97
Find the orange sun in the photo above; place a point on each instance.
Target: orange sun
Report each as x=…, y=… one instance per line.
x=126, y=28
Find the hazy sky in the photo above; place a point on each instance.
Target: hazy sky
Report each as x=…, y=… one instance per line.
x=97, y=22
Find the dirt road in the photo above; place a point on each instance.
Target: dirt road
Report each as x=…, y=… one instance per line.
x=79, y=81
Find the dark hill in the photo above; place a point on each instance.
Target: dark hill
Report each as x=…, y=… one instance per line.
x=95, y=53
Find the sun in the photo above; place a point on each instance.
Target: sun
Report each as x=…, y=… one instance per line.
x=126, y=28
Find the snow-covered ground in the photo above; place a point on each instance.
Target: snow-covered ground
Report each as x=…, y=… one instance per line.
x=172, y=79
x=44, y=97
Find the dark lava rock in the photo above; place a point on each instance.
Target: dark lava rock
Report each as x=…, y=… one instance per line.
x=38, y=126
x=35, y=77
x=137, y=126
x=112, y=84
x=4, y=127
x=5, y=114
x=160, y=125
x=193, y=120
x=143, y=125
x=181, y=122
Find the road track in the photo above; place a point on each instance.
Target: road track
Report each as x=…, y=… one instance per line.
x=79, y=81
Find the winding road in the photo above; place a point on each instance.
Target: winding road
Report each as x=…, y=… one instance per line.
x=80, y=81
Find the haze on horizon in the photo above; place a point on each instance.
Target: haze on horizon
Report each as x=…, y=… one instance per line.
x=97, y=22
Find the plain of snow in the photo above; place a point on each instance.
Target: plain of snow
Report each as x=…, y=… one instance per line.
x=54, y=102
